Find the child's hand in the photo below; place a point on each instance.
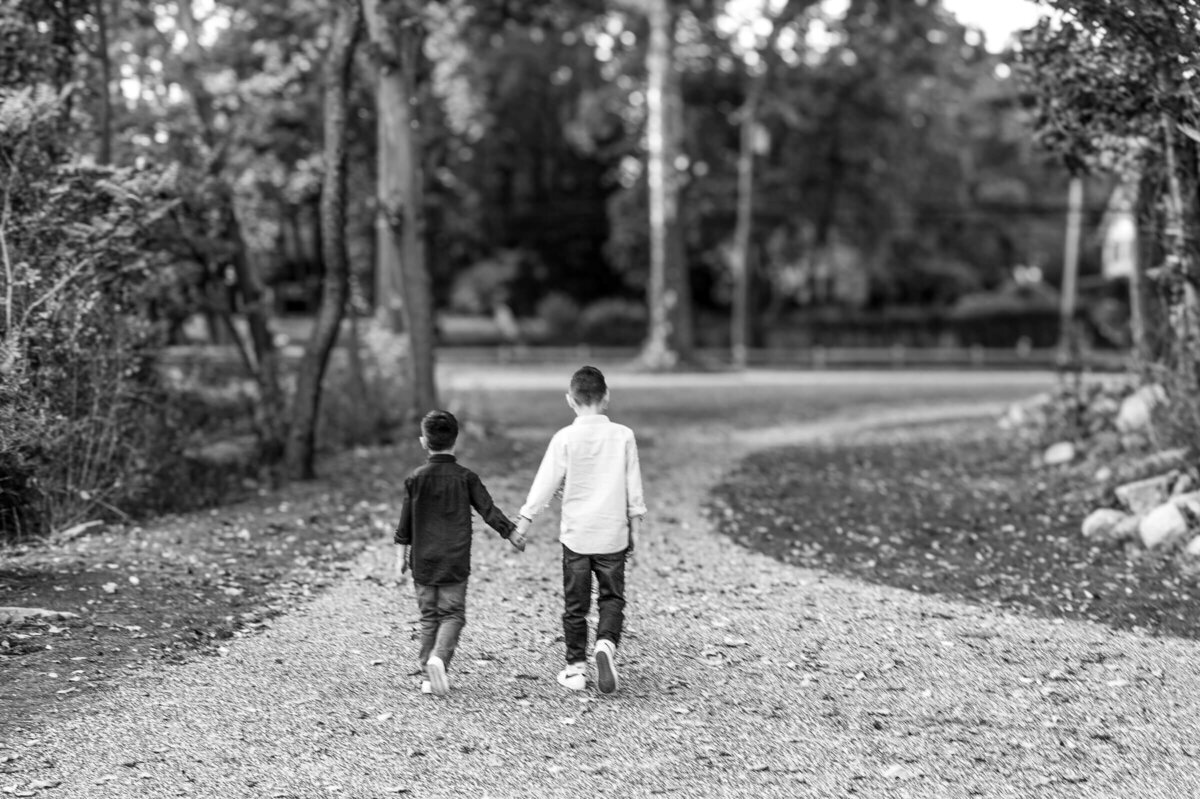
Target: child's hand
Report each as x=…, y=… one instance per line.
x=635, y=526
x=402, y=558
x=518, y=541
x=518, y=538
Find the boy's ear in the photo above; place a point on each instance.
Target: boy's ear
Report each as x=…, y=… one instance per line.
x=570, y=400
x=424, y=443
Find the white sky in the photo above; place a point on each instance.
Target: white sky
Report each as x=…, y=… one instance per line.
x=998, y=19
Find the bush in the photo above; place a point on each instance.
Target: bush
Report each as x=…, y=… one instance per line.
x=85, y=425
x=613, y=322
x=1177, y=420
x=560, y=314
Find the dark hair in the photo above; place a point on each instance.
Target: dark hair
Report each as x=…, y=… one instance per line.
x=588, y=386
x=440, y=429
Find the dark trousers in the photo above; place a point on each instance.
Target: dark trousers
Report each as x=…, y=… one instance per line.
x=443, y=614
x=609, y=571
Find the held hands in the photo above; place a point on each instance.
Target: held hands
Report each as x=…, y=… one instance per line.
x=518, y=538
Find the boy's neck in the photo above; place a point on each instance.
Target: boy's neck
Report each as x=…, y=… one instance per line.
x=589, y=410
x=433, y=452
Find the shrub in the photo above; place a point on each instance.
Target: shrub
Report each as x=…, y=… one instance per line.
x=613, y=322
x=84, y=425
x=560, y=314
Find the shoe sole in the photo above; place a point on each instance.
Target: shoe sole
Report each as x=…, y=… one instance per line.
x=437, y=677
x=606, y=672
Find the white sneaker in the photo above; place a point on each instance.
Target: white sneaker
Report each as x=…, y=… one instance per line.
x=606, y=666
x=436, y=670
x=573, y=677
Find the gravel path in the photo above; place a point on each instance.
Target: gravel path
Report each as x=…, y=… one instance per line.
x=741, y=677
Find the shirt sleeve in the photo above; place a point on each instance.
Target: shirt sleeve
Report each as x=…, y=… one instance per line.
x=549, y=477
x=403, y=533
x=634, y=499
x=482, y=502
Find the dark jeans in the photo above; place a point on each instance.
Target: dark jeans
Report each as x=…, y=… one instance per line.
x=577, y=599
x=443, y=614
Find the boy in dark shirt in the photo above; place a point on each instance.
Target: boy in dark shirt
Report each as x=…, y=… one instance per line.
x=434, y=535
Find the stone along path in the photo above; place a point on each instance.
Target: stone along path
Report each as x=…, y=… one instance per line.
x=741, y=677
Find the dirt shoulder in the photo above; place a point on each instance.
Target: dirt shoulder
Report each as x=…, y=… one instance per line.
x=954, y=509
x=186, y=586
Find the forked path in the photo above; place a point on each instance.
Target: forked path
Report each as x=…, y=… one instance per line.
x=741, y=676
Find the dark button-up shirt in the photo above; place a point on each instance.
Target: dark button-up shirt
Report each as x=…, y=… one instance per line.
x=435, y=519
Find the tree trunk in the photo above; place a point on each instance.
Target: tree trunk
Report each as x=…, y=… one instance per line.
x=1184, y=314
x=743, y=229
x=302, y=436
x=269, y=413
x=105, y=155
x=678, y=278
x=398, y=41
x=740, y=256
x=1068, y=334
x=659, y=350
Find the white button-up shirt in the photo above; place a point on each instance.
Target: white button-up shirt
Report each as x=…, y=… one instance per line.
x=595, y=463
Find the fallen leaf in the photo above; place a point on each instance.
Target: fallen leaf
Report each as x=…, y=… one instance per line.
x=897, y=771
x=109, y=588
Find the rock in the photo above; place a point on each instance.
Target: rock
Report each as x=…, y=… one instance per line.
x=1137, y=409
x=1164, y=525
x=1193, y=548
x=1190, y=501
x=1058, y=454
x=23, y=615
x=1127, y=528
x=1128, y=470
x=1142, y=495
x=71, y=533
x=1135, y=442
x=1100, y=524
x=1104, y=474
x=1028, y=413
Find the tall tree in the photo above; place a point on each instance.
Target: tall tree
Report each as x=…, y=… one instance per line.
x=397, y=32
x=269, y=414
x=765, y=60
x=669, y=334
x=301, y=444
x=1109, y=83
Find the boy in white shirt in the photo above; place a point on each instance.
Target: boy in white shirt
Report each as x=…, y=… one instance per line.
x=594, y=462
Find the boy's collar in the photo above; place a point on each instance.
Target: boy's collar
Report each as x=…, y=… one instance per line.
x=591, y=418
x=442, y=457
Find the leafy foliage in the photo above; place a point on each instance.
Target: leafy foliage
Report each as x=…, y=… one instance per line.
x=86, y=290
x=1120, y=91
